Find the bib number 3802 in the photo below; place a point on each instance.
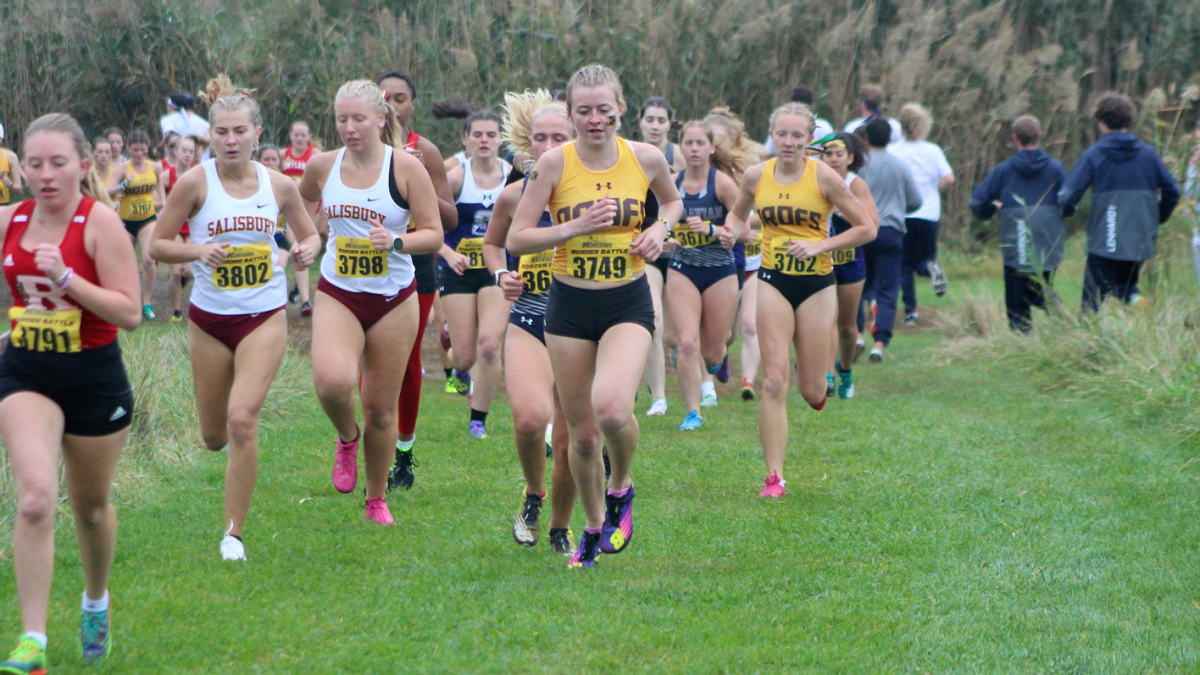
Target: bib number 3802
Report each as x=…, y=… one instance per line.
x=357, y=257
x=249, y=266
x=46, y=330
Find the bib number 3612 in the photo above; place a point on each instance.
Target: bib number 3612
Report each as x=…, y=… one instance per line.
x=357, y=257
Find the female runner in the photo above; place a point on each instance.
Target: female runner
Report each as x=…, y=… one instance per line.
x=702, y=286
x=181, y=275
x=401, y=94
x=476, y=311
x=533, y=124
x=293, y=162
x=366, y=318
x=600, y=316
x=846, y=154
x=793, y=194
x=748, y=309
x=116, y=138
x=654, y=121
x=63, y=385
x=169, y=148
x=102, y=159
x=140, y=185
x=237, y=334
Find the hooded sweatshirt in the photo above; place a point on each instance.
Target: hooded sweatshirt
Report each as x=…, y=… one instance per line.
x=1126, y=177
x=1031, y=224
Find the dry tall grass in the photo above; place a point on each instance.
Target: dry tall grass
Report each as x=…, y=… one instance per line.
x=976, y=63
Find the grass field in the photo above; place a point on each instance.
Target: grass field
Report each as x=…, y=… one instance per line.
x=952, y=518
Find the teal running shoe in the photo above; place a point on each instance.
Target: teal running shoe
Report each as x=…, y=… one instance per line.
x=93, y=635
x=830, y=385
x=845, y=390
x=692, y=422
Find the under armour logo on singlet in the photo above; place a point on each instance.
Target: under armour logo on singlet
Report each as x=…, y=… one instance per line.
x=783, y=196
x=607, y=186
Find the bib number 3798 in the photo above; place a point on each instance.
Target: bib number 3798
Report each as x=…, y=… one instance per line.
x=357, y=257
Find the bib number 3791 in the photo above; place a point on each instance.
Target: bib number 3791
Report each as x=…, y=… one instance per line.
x=357, y=257
x=46, y=330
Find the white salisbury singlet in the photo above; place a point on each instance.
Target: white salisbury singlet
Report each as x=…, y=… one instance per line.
x=249, y=281
x=351, y=263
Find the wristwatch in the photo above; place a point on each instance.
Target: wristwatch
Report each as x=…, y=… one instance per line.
x=397, y=244
x=497, y=275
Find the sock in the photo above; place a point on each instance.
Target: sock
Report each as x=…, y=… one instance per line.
x=39, y=638
x=708, y=388
x=93, y=606
x=405, y=445
x=449, y=372
x=478, y=416
x=593, y=530
x=838, y=367
x=820, y=405
x=712, y=370
x=531, y=494
x=618, y=493
x=357, y=435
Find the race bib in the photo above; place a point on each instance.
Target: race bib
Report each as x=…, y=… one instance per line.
x=249, y=266
x=142, y=206
x=535, y=270
x=357, y=257
x=600, y=257
x=754, y=247
x=688, y=239
x=473, y=249
x=842, y=257
x=46, y=330
x=776, y=257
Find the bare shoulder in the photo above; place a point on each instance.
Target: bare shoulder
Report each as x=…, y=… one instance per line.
x=322, y=162
x=281, y=183
x=724, y=182
x=6, y=215
x=428, y=147
x=647, y=154
x=754, y=174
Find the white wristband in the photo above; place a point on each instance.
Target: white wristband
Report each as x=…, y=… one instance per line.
x=497, y=275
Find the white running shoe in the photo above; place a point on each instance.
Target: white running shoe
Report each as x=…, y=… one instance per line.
x=659, y=407
x=877, y=354
x=232, y=548
x=708, y=399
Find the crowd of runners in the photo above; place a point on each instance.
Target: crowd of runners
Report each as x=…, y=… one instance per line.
x=552, y=251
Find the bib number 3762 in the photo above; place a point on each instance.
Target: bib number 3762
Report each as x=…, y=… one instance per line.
x=357, y=257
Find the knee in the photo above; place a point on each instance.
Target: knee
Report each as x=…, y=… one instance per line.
x=714, y=353
x=35, y=506
x=380, y=416
x=813, y=392
x=612, y=417
x=775, y=383
x=489, y=351
x=464, y=357
x=331, y=387
x=215, y=440
x=147, y=261
x=529, y=424
x=176, y=273
x=689, y=345
x=243, y=425
x=750, y=329
x=848, y=329
x=586, y=445
x=91, y=513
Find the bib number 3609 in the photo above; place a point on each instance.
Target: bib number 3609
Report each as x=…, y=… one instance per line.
x=357, y=257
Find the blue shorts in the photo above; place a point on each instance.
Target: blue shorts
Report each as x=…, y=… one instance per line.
x=703, y=277
x=852, y=272
x=534, y=324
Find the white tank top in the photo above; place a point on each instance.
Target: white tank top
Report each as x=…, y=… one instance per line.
x=351, y=263
x=250, y=281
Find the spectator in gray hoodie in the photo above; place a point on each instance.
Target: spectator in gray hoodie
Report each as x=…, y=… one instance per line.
x=1132, y=194
x=895, y=192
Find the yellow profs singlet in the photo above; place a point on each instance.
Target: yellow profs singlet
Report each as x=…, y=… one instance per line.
x=605, y=254
x=137, y=200
x=796, y=212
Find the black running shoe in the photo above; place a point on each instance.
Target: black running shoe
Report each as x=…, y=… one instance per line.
x=525, y=527
x=402, y=474
x=560, y=539
x=607, y=467
x=294, y=295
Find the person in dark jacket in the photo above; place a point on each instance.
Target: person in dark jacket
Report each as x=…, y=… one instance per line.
x=1025, y=190
x=1132, y=193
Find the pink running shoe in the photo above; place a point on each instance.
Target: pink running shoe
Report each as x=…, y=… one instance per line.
x=345, y=465
x=377, y=512
x=775, y=487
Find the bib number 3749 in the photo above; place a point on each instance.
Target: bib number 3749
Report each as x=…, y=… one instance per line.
x=46, y=330
x=357, y=257
x=600, y=257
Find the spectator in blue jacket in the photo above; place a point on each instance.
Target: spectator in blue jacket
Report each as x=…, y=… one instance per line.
x=1132, y=193
x=1025, y=190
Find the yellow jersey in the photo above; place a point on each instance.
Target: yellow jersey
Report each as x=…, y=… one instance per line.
x=137, y=199
x=795, y=212
x=104, y=178
x=7, y=168
x=603, y=255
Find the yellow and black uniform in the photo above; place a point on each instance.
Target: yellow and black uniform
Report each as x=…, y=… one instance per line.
x=137, y=198
x=5, y=167
x=790, y=213
x=605, y=255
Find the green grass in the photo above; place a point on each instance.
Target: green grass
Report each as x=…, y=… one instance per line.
x=949, y=519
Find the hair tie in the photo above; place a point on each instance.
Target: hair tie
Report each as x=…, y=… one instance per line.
x=385, y=95
x=244, y=92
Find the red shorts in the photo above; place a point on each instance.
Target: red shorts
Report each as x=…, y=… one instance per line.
x=368, y=308
x=228, y=329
